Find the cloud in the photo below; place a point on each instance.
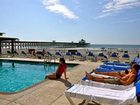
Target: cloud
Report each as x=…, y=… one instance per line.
x=103, y=15
x=126, y=21
x=55, y=6
x=115, y=6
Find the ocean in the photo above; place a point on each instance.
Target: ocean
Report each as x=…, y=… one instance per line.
x=107, y=46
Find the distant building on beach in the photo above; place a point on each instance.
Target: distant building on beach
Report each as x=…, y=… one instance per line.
x=1, y=33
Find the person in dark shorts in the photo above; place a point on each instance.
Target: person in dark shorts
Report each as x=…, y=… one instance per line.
x=60, y=70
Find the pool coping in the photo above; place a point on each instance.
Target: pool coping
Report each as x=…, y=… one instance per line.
x=34, y=61
x=37, y=60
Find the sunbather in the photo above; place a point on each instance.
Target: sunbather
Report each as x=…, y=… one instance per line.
x=118, y=78
x=60, y=70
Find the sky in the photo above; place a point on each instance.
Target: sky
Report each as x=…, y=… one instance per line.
x=96, y=21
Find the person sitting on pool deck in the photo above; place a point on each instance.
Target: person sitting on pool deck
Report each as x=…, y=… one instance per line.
x=60, y=70
x=126, y=79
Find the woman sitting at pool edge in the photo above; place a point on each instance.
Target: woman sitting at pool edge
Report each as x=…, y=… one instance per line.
x=126, y=79
x=60, y=70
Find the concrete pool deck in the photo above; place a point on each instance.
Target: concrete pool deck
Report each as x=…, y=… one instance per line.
x=49, y=92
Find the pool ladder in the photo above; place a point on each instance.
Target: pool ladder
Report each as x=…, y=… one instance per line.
x=49, y=59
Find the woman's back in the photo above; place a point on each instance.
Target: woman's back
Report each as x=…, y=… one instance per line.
x=61, y=69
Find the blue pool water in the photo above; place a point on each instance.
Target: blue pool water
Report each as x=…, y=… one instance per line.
x=16, y=76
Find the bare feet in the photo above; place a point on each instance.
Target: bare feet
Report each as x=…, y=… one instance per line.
x=46, y=77
x=94, y=70
x=66, y=78
x=89, y=77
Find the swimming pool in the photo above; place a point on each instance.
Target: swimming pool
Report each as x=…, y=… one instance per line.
x=17, y=75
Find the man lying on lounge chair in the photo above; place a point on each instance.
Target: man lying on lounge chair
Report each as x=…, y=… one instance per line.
x=121, y=79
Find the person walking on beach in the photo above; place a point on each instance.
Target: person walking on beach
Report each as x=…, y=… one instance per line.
x=60, y=70
x=116, y=78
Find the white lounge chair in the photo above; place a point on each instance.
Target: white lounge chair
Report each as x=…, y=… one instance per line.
x=85, y=81
x=102, y=95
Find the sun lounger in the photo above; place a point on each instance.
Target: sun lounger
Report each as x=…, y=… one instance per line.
x=48, y=57
x=116, y=64
x=91, y=56
x=103, y=95
x=116, y=67
x=125, y=58
x=69, y=56
x=58, y=55
x=114, y=57
x=9, y=54
x=23, y=52
x=102, y=57
x=40, y=54
x=105, y=69
x=85, y=81
x=48, y=53
x=111, y=69
x=79, y=56
x=15, y=53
